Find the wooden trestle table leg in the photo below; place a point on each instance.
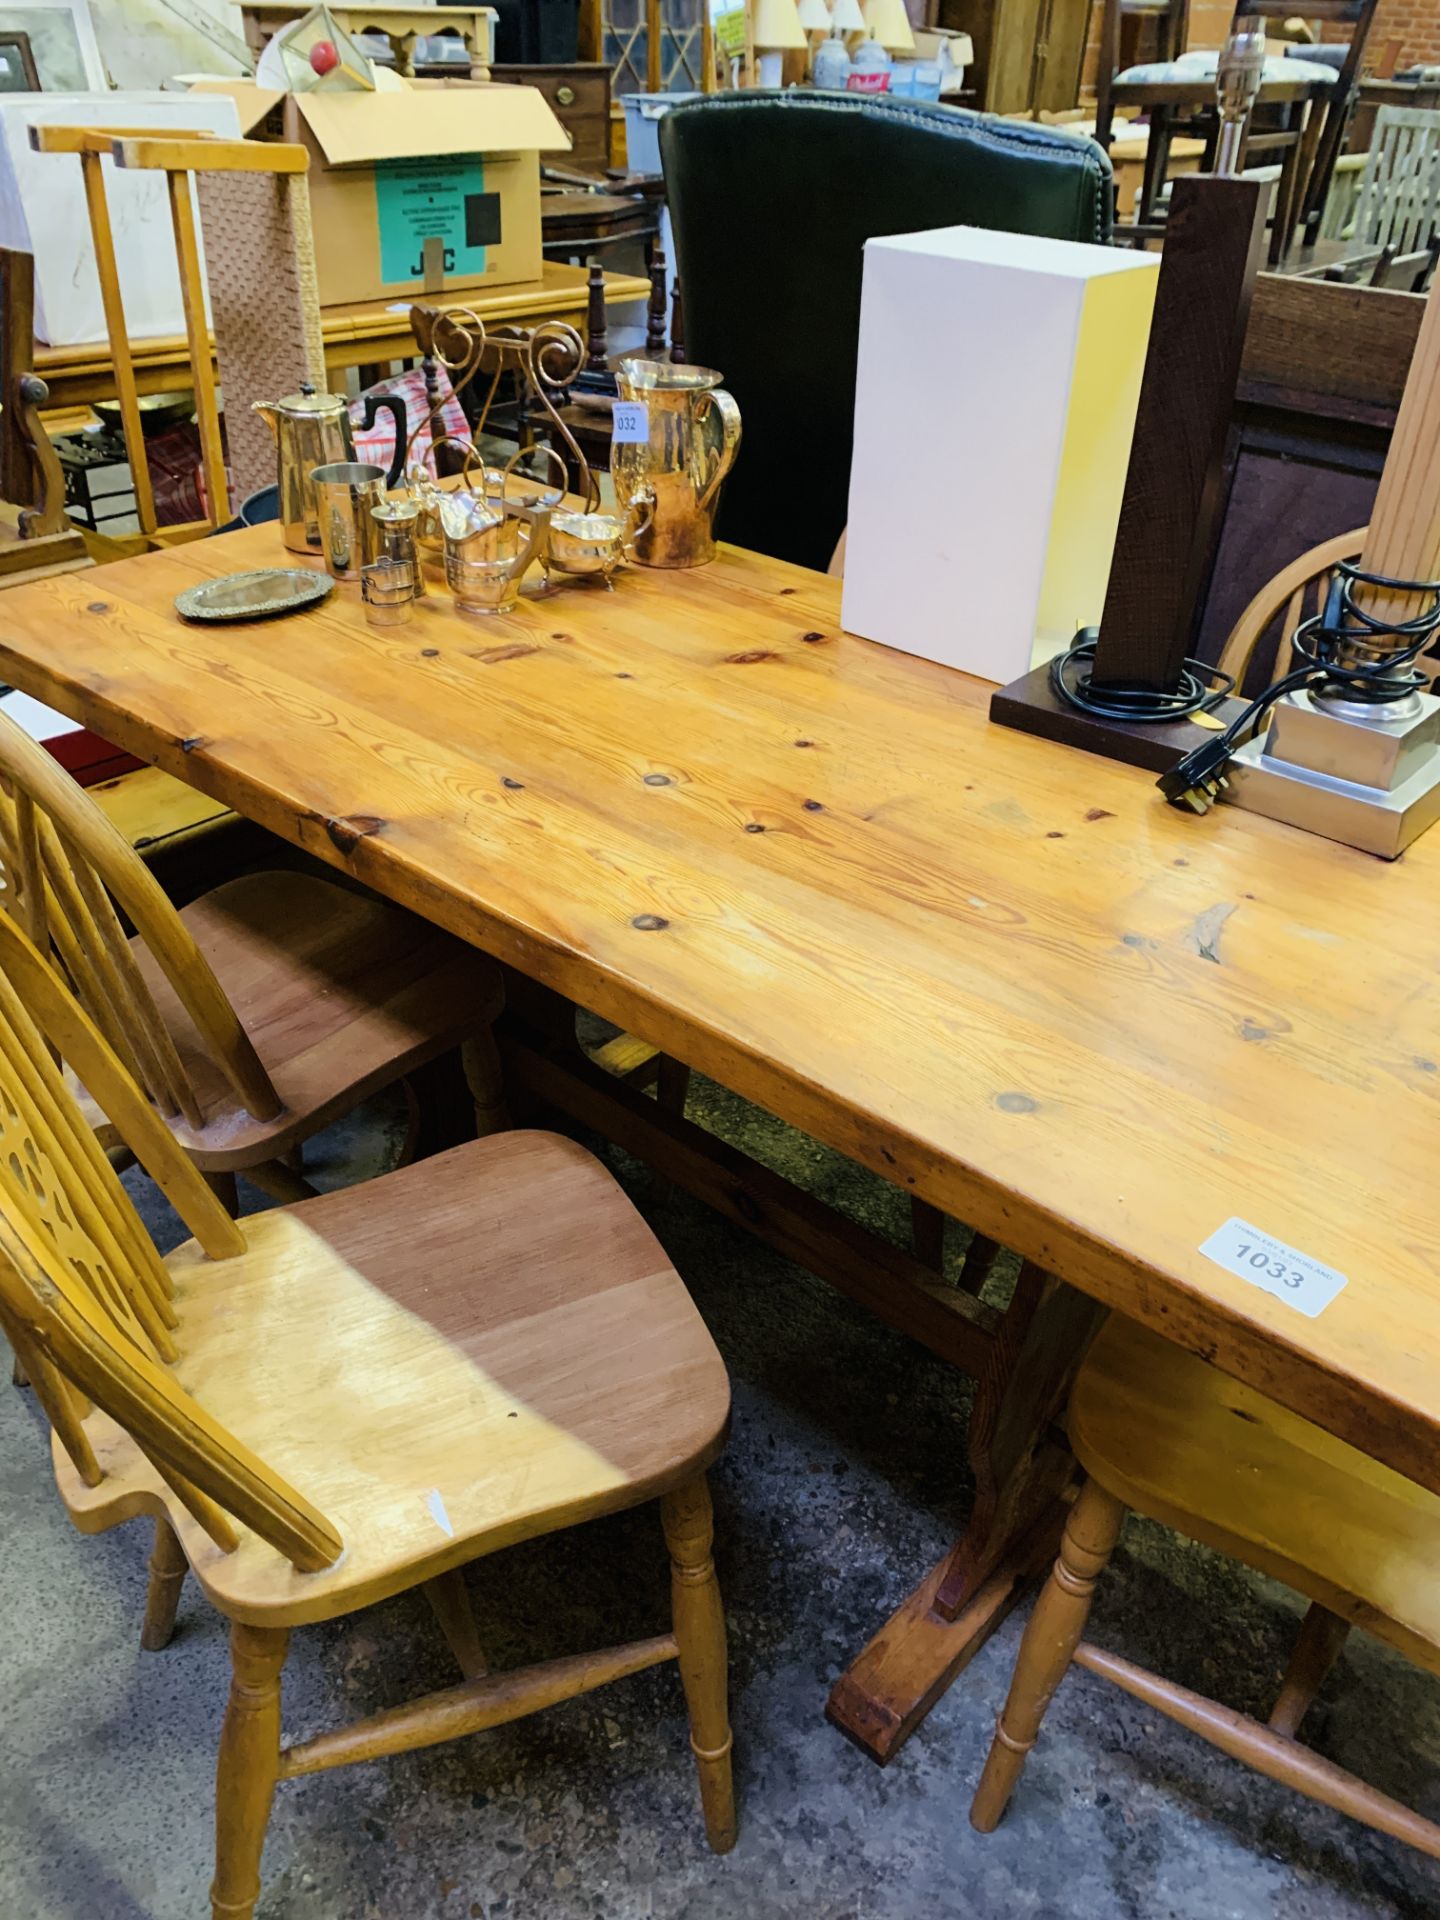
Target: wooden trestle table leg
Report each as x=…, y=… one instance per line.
x=1022, y=1470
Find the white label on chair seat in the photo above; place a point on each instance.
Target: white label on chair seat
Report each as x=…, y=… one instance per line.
x=632, y=423
x=1305, y=1284
x=438, y=1514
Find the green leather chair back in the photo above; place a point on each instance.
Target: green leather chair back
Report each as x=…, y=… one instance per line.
x=772, y=197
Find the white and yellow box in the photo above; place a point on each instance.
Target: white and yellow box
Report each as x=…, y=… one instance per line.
x=995, y=404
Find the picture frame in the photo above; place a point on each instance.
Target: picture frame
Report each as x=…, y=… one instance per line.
x=65, y=52
x=18, y=72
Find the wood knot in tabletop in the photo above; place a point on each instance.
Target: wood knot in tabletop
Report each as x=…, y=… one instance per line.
x=348, y=830
x=493, y=656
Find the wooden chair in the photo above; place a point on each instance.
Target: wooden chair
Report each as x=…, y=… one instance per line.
x=1325, y=141
x=352, y=1398
x=254, y=201
x=1315, y=107
x=1171, y=20
x=1159, y=1431
x=264, y=301
x=1398, y=207
x=1384, y=268
x=260, y=1013
x=1296, y=592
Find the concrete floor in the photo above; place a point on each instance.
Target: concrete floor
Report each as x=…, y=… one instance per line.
x=842, y=1483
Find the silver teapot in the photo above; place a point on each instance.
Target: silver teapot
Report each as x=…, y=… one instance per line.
x=313, y=430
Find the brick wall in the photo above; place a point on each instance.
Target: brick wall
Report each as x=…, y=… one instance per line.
x=1414, y=23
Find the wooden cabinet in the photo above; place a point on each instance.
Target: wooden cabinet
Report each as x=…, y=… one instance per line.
x=404, y=26
x=580, y=96
x=1028, y=53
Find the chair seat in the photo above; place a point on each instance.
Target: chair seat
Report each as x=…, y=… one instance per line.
x=1199, y=69
x=482, y=1347
x=1180, y=1441
x=339, y=992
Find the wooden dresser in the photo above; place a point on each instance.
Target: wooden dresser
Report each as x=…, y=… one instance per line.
x=580, y=96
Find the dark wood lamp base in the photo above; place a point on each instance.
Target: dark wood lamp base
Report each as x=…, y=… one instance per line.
x=1031, y=705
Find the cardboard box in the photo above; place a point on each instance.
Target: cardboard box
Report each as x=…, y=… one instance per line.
x=453, y=159
x=42, y=211
x=995, y=405
x=951, y=49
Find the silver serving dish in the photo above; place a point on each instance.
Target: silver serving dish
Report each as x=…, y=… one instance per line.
x=587, y=543
x=254, y=596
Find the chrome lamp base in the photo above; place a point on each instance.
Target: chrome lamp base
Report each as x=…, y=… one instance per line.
x=1367, y=776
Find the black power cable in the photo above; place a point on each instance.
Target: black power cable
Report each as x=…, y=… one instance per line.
x=1197, y=780
x=1073, y=684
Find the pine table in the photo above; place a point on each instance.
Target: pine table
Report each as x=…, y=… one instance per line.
x=998, y=972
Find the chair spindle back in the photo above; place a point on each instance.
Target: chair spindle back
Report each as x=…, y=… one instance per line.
x=63, y=860
x=1295, y=593
x=85, y=1297
x=1399, y=201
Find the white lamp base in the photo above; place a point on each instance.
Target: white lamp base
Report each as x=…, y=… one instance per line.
x=770, y=69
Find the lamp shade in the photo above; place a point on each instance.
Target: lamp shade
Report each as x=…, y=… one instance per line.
x=777, y=24
x=814, y=16
x=888, y=22
x=846, y=17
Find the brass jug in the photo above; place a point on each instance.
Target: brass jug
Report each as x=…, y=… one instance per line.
x=313, y=430
x=691, y=436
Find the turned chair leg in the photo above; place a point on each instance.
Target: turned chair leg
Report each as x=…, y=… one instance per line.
x=1317, y=1647
x=450, y=1602
x=249, y=1766
x=485, y=1077
x=700, y=1631
x=168, y=1568
x=1051, y=1637
x=222, y=1185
